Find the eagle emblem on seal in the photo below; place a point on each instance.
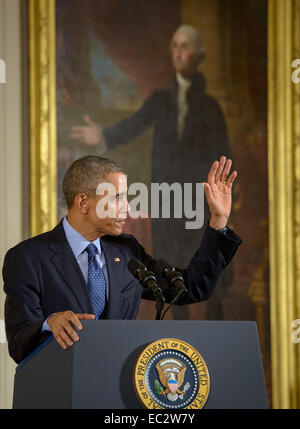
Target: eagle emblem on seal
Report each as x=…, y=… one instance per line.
x=171, y=375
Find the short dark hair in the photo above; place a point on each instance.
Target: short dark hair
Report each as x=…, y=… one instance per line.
x=85, y=174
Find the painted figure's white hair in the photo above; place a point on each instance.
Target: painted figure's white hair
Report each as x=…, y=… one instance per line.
x=195, y=37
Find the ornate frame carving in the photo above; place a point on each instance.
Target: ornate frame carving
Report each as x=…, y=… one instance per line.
x=284, y=203
x=42, y=115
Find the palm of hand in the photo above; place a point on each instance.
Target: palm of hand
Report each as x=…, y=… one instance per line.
x=220, y=203
x=218, y=190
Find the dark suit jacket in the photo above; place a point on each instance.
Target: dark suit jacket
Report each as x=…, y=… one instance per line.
x=41, y=276
x=185, y=159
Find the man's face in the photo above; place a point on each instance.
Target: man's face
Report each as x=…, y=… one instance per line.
x=108, y=211
x=183, y=54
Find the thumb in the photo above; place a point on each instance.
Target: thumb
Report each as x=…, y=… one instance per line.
x=88, y=120
x=208, y=192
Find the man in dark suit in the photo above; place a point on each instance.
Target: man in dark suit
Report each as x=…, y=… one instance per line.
x=79, y=269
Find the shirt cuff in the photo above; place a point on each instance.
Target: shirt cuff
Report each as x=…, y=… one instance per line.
x=45, y=326
x=223, y=230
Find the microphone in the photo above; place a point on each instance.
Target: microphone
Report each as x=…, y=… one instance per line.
x=147, y=279
x=174, y=277
x=141, y=272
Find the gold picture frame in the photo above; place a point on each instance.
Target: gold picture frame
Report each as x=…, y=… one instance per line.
x=42, y=115
x=283, y=171
x=284, y=204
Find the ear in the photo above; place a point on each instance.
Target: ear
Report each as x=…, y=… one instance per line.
x=80, y=201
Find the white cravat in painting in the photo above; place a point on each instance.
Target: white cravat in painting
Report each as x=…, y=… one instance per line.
x=182, y=106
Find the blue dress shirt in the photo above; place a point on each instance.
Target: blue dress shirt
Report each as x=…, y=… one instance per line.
x=78, y=245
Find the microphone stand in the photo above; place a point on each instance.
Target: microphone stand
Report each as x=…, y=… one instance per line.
x=175, y=279
x=172, y=303
x=148, y=279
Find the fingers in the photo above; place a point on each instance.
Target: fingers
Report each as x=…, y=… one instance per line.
x=85, y=316
x=78, y=128
x=220, y=171
x=62, y=326
x=89, y=134
x=226, y=170
x=64, y=339
x=231, y=178
x=81, y=128
x=61, y=342
x=220, y=168
x=77, y=133
x=70, y=333
x=212, y=173
x=63, y=331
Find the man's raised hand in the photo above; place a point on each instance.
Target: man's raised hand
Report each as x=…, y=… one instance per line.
x=218, y=189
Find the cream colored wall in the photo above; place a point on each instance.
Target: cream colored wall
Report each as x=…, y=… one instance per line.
x=11, y=162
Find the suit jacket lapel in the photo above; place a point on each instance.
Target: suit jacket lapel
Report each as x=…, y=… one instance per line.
x=115, y=269
x=67, y=265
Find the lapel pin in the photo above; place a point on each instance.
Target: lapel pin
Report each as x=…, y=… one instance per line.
x=117, y=259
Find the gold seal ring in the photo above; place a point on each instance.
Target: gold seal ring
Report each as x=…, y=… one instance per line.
x=170, y=373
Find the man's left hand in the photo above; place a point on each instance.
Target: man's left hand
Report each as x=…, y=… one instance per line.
x=218, y=192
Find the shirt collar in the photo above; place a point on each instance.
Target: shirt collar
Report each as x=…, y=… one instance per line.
x=77, y=242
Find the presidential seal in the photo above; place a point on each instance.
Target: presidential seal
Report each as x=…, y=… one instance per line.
x=170, y=373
